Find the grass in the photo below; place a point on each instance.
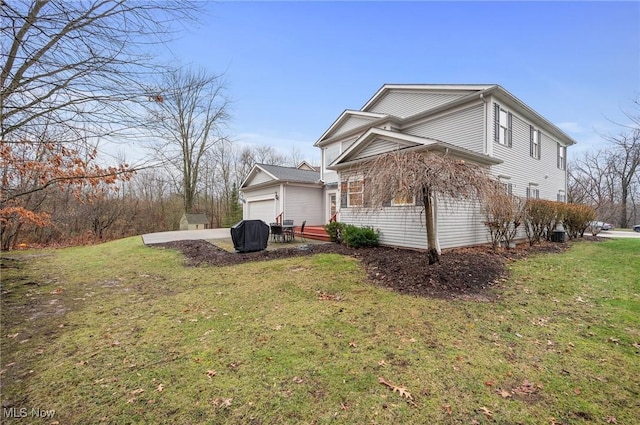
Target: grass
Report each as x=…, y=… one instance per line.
x=121, y=333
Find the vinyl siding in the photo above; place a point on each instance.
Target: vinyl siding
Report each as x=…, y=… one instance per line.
x=304, y=203
x=404, y=103
x=260, y=177
x=378, y=147
x=351, y=123
x=524, y=170
x=262, y=192
x=329, y=176
x=464, y=128
x=460, y=224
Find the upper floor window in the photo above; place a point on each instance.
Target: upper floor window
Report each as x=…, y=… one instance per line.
x=535, y=138
x=503, y=124
x=562, y=157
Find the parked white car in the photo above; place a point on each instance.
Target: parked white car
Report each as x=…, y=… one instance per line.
x=602, y=225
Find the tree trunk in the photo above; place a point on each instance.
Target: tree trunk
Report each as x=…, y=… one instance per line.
x=623, y=215
x=432, y=243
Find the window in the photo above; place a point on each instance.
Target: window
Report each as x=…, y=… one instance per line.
x=562, y=197
x=562, y=157
x=533, y=192
x=535, y=138
x=403, y=198
x=502, y=126
x=508, y=187
x=355, y=193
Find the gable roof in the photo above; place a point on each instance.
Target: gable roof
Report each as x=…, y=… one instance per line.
x=283, y=174
x=356, y=153
x=196, y=218
x=365, y=117
x=453, y=95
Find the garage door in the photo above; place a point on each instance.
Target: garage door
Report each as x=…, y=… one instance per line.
x=262, y=210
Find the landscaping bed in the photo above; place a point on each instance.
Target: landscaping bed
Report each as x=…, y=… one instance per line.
x=461, y=273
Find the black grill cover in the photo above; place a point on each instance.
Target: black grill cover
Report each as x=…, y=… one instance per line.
x=250, y=235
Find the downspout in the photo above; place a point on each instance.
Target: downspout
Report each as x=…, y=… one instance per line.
x=487, y=146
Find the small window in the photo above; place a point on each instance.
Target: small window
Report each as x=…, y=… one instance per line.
x=562, y=157
x=562, y=197
x=403, y=198
x=508, y=187
x=535, y=139
x=502, y=126
x=355, y=193
x=533, y=192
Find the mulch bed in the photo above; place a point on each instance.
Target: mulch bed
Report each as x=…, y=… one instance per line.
x=464, y=273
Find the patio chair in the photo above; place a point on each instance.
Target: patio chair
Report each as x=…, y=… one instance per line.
x=276, y=232
x=287, y=230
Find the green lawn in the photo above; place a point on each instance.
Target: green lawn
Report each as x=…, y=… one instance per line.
x=121, y=333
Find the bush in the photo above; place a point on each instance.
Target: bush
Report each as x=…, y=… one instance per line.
x=360, y=237
x=335, y=230
x=503, y=215
x=577, y=218
x=541, y=217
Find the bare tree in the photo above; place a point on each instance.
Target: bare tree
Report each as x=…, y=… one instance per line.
x=190, y=112
x=77, y=64
x=607, y=179
x=423, y=175
x=624, y=162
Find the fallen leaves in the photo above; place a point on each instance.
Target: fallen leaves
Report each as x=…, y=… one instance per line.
x=323, y=296
x=211, y=373
x=221, y=403
x=400, y=390
x=527, y=388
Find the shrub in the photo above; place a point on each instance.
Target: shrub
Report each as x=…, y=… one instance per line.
x=503, y=214
x=360, y=237
x=541, y=217
x=577, y=218
x=335, y=229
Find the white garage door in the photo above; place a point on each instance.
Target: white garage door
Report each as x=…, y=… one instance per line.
x=262, y=210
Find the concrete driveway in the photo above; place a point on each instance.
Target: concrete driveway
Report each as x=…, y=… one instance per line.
x=617, y=234
x=186, y=235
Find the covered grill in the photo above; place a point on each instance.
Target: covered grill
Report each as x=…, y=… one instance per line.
x=250, y=235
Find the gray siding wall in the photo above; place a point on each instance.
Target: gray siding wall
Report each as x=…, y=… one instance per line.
x=378, y=147
x=304, y=203
x=329, y=176
x=458, y=225
x=464, y=128
x=351, y=123
x=261, y=177
x=404, y=103
x=524, y=170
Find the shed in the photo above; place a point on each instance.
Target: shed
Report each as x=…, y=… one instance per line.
x=194, y=222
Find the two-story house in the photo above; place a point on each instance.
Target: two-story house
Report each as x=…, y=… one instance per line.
x=484, y=124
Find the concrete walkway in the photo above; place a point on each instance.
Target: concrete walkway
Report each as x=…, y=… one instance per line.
x=186, y=235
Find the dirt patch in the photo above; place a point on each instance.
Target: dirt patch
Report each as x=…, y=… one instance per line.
x=465, y=273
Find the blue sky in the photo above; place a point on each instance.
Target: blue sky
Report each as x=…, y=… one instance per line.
x=293, y=67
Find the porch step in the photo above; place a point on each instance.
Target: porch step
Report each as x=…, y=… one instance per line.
x=314, y=232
